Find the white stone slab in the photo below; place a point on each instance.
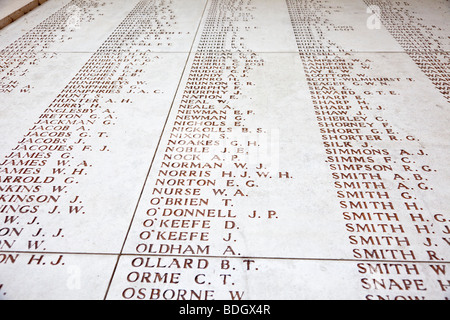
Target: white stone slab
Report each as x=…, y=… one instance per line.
x=262, y=149
x=14, y=30
x=54, y=276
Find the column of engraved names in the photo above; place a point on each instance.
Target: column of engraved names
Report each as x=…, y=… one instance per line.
x=374, y=167
x=187, y=230
x=30, y=49
x=38, y=176
x=16, y=61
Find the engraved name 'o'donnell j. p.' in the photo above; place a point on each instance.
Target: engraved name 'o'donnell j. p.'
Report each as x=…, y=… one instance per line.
x=225, y=150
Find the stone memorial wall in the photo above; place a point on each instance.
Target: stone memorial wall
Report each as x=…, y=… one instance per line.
x=226, y=149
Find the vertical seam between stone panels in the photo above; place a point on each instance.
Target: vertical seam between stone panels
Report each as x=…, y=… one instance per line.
x=156, y=150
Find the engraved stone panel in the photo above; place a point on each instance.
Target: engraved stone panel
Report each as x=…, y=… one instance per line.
x=227, y=150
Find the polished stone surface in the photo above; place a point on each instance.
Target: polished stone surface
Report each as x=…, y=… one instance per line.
x=220, y=149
